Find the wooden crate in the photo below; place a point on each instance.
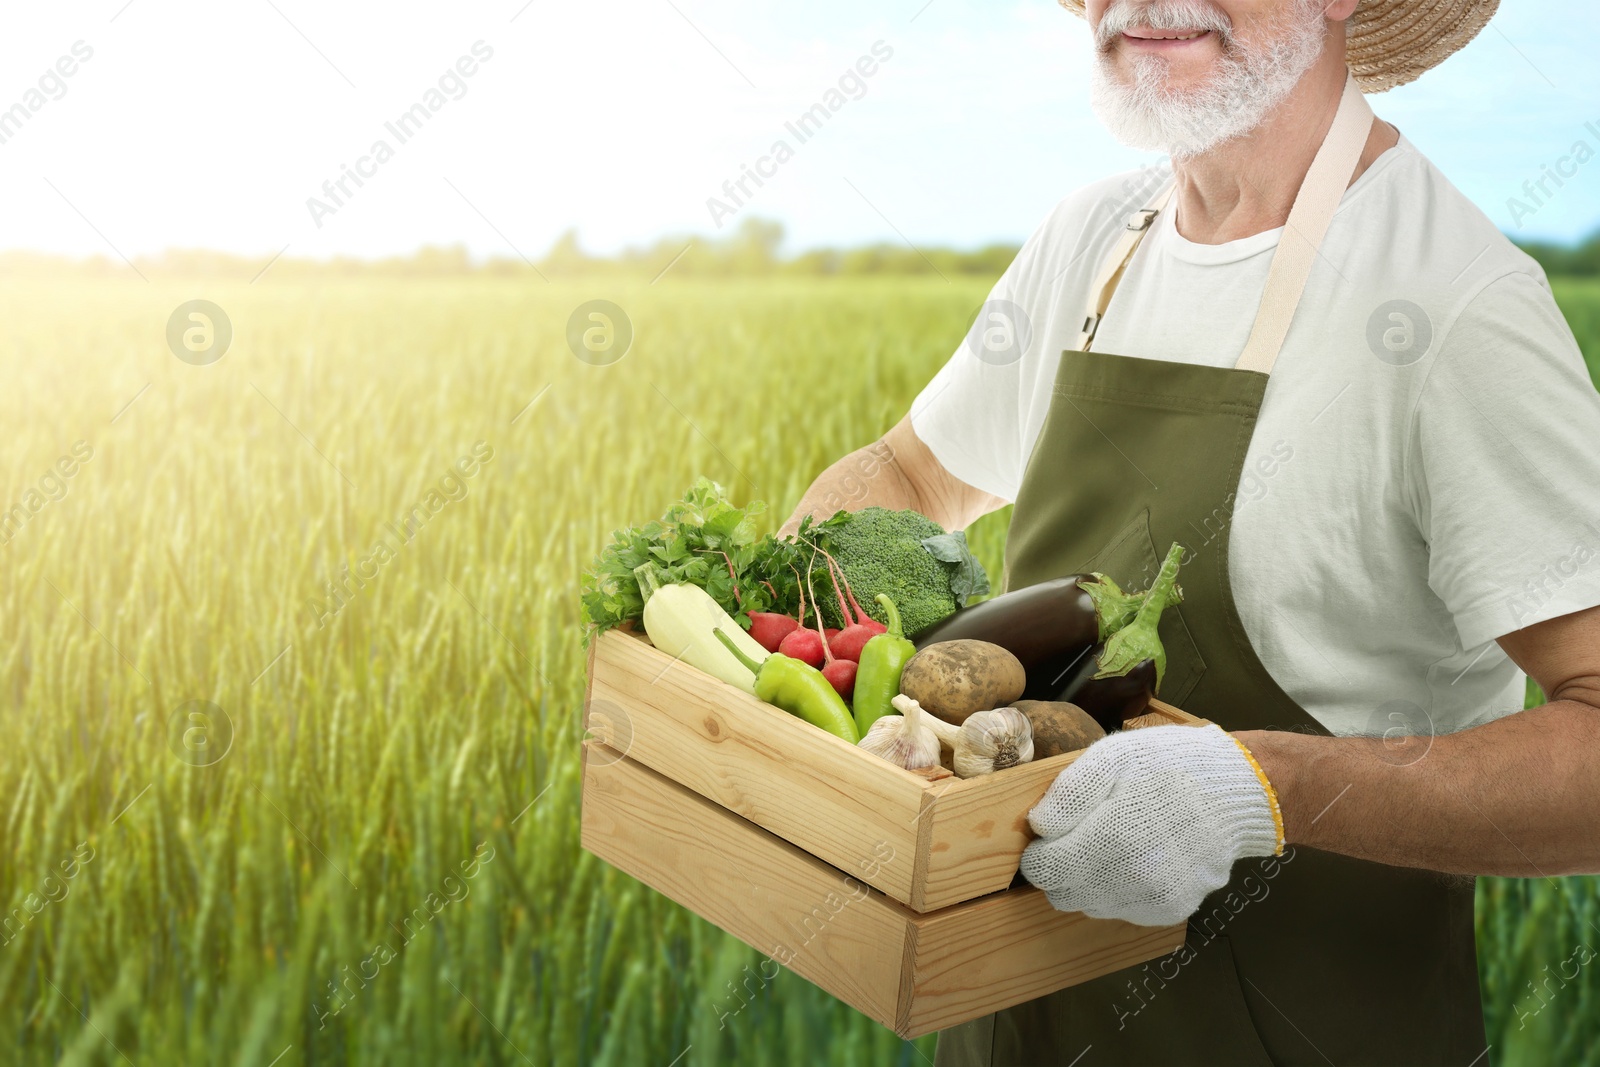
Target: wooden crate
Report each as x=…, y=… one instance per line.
x=893, y=893
x=912, y=972
x=950, y=840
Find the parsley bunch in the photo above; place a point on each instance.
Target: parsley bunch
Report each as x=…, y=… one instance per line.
x=704, y=540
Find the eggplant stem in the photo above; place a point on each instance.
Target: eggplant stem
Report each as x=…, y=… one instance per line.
x=1113, y=608
x=1139, y=640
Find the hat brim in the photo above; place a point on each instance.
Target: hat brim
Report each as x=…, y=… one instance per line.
x=1392, y=42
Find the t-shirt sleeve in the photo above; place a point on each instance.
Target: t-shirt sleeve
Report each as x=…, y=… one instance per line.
x=1505, y=465
x=970, y=413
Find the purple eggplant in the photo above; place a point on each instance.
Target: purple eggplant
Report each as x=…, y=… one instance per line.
x=1127, y=669
x=1052, y=627
x=1113, y=700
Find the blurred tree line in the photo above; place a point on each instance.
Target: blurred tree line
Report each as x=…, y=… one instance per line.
x=753, y=250
x=1581, y=260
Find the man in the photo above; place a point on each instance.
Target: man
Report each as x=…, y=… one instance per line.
x=1354, y=402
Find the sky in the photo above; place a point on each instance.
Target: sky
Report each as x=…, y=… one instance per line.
x=186, y=124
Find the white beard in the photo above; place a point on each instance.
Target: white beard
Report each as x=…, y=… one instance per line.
x=1250, y=80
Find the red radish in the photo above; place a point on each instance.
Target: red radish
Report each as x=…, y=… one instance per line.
x=848, y=642
x=842, y=674
x=829, y=634
x=853, y=638
x=804, y=645
x=770, y=628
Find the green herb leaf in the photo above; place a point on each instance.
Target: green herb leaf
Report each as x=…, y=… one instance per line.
x=967, y=577
x=704, y=540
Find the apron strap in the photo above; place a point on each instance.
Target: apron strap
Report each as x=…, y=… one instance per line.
x=1121, y=253
x=1313, y=210
x=1309, y=218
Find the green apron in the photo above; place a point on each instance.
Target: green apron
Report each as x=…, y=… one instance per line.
x=1308, y=958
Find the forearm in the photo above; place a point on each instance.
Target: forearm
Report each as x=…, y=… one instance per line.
x=1515, y=797
x=898, y=472
x=860, y=479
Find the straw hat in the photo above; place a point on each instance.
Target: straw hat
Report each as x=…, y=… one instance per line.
x=1392, y=42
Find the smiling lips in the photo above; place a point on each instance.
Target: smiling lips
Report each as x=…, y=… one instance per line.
x=1144, y=37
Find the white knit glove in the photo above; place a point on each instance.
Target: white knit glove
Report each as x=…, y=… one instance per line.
x=1147, y=822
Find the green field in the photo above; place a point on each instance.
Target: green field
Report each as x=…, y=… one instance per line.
x=306, y=898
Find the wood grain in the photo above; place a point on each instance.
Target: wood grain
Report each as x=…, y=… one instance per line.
x=1160, y=713
x=832, y=799
x=825, y=926
x=912, y=972
x=925, y=844
x=977, y=828
x=1013, y=947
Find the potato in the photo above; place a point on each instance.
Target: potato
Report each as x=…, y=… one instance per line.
x=953, y=679
x=1058, y=727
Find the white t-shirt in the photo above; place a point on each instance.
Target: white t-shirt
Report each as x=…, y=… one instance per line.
x=1424, y=476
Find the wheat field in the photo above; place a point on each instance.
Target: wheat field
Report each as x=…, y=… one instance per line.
x=291, y=668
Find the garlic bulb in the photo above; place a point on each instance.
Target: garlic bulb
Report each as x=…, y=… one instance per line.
x=992, y=741
x=988, y=741
x=905, y=739
x=942, y=731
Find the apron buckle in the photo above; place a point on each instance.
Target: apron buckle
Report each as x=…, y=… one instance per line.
x=1090, y=325
x=1141, y=219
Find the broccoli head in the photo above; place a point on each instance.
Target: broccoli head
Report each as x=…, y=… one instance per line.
x=926, y=572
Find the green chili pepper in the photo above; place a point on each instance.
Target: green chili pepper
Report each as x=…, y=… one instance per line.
x=878, y=674
x=800, y=689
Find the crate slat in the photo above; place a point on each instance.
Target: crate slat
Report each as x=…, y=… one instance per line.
x=805, y=785
x=912, y=972
x=952, y=840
